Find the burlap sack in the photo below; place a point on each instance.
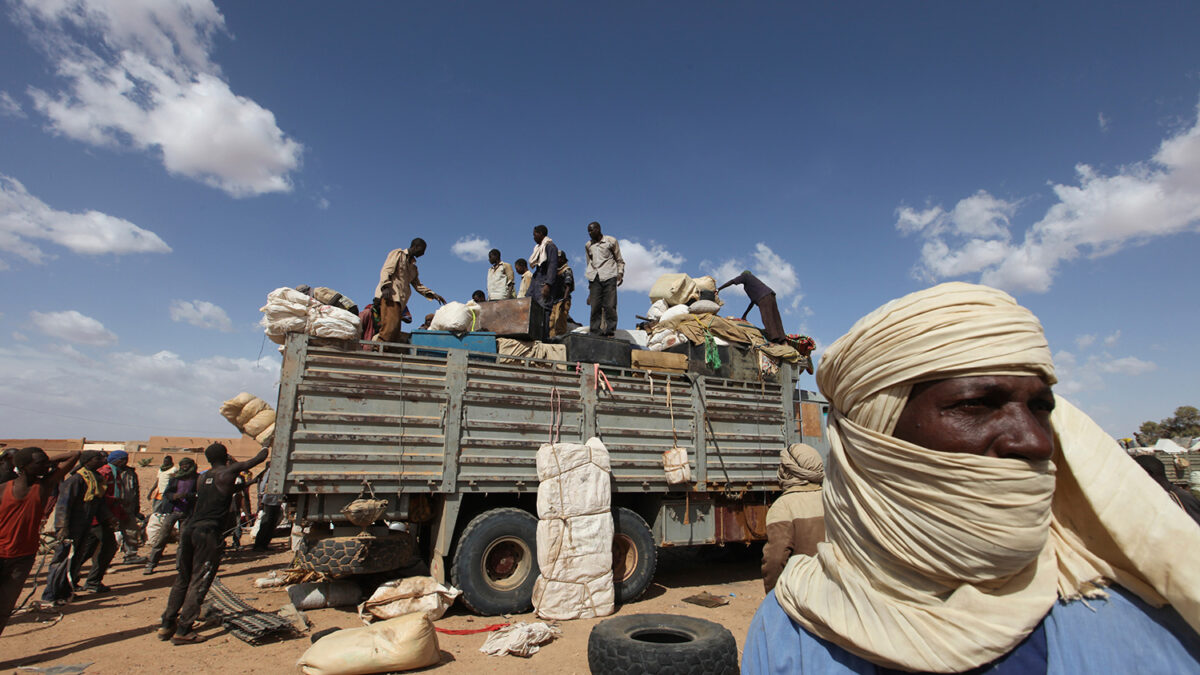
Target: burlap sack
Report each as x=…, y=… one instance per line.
x=233, y=407
x=404, y=643
x=252, y=408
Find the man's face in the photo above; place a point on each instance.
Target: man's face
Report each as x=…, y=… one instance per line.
x=95, y=462
x=40, y=466
x=992, y=415
x=121, y=463
x=417, y=251
x=521, y=268
x=493, y=257
x=537, y=237
x=594, y=232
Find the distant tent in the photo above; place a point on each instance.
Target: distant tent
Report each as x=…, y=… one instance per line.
x=1169, y=446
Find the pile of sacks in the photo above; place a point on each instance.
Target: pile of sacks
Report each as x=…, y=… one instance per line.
x=574, y=532
x=677, y=297
x=291, y=311
x=251, y=415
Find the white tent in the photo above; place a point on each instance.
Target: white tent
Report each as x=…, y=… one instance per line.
x=1169, y=446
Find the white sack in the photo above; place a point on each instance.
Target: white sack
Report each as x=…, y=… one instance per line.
x=575, y=549
x=675, y=465
x=656, y=310
x=454, y=317
x=562, y=600
x=405, y=596
x=672, y=316
x=664, y=339
x=519, y=639
x=290, y=311
x=635, y=337
x=316, y=595
x=574, y=479
x=404, y=643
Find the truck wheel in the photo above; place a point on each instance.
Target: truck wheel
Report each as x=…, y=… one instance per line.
x=634, y=555
x=344, y=556
x=665, y=644
x=495, y=563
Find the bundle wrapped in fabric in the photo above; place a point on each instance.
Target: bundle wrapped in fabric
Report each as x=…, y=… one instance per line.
x=456, y=317
x=328, y=296
x=405, y=596
x=574, y=532
x=290, y=311
x=675, y=289
x=405, y=643
x=251, y=415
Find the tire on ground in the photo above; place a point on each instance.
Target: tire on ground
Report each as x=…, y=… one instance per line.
x=345, y=556
x=495, y=562
x=634, y=555
x=665, y=644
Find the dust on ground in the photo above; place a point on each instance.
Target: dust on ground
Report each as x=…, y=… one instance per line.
x=114, y=631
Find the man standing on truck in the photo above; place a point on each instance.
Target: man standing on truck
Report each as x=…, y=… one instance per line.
x=499, y=278
x=202, y=542
x=522, y=268
x=761, y=294
x=605, y=271
x=544, y=263
x=396, y=279
x=560, y=311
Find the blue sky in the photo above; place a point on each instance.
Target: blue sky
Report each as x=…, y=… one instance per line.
x=163, y=167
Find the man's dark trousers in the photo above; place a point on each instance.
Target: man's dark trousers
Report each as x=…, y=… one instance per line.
x=196, y=562
x=602, y=297
x=101, y=546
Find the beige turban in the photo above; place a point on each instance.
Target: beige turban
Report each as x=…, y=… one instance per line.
x=800, y=468
x=943, y=561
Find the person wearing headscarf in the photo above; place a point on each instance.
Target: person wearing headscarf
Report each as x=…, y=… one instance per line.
x=125, y=501
x=1184, y=499
x=974, y=519
x=165, y=471
x=795, y=522
x=80, y=503
x=178, y=498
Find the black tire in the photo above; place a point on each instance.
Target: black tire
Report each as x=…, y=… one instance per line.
x=665, y=644
x=346, y=556
x=634, y=555
x=495, y=563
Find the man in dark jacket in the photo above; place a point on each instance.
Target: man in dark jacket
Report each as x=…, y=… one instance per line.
x=125, y=502
x=80, y=504
x=174, y=507
x=544, y=263
x=761, y=294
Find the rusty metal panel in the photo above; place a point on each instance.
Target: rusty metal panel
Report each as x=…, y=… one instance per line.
x=685, y=522
x=746, y=428
x=739, y=521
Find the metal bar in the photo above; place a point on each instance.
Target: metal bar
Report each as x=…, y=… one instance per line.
x=294, y=352
x=456, y=385
x=699, y=440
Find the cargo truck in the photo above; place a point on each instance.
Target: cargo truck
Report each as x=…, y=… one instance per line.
x=448, y=437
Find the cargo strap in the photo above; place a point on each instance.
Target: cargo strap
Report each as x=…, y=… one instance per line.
x=555, y=414
x=471, y=631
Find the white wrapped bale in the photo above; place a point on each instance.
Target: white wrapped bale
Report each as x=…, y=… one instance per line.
x=454, y=317
x=574, y=479
x=575, y=550
x=290, y=311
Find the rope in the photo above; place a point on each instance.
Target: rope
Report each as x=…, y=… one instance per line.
x=597, y=376
x=555, y=414
x=471, y=631
x=671, y=411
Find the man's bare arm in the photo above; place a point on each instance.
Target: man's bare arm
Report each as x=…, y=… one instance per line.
x=63, y=462
x=237, y=468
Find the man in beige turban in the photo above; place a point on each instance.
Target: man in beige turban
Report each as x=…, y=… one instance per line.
x=795, y=522
x=974, y=519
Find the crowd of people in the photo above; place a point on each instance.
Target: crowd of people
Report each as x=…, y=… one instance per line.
x=90, y=497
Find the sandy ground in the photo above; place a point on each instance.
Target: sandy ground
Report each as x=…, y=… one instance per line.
x=115, y=631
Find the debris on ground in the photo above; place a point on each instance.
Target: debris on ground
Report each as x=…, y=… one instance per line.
x=520, y=639
x=247, y=624
x=272, y=580
x=56, y=670
x=706, y=599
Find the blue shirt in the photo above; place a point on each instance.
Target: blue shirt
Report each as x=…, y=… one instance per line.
x=1118, y=635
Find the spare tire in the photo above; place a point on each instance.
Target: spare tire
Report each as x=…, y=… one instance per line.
x=665, y=644
x=344, y=556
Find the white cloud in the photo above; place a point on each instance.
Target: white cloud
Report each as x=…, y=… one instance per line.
x=1098, y=217
x=163, y=393
x=645, y=263
x=25, y=218
x=1111, y=340
x=149, y=84
x=1089, y=375
x=72, y=326
x=1103, y=121
x=1084, y=341
x=471, y=249
x=323, y=204
x=9, y=106
x=19, y=336
x=201, y=313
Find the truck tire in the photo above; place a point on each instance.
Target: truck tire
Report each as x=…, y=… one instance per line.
x=345, y=556
x=495, y=562
x=665, y=644
x=634, y=555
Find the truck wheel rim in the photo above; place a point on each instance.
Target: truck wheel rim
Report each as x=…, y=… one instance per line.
x=625, y=557
x=506, y=563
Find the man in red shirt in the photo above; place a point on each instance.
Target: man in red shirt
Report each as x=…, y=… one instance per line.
x=22, y=504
